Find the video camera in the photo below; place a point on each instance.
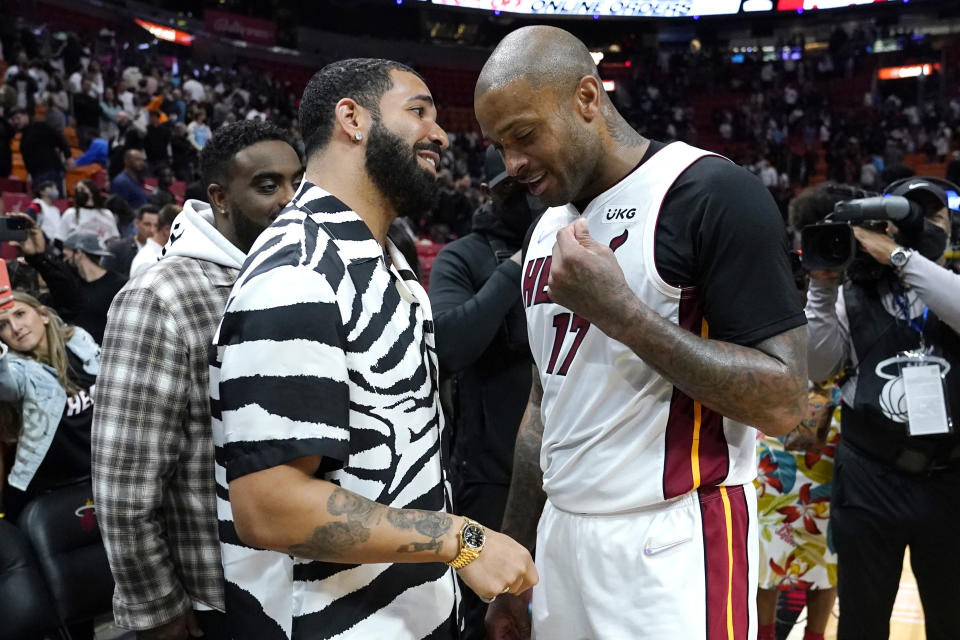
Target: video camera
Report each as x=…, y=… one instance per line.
x=831, y=244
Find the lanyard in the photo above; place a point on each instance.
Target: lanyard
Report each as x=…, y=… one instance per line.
x=913, y=323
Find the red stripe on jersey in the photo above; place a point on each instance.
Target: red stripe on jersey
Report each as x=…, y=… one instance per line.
x=695, y=452
x=726, y=522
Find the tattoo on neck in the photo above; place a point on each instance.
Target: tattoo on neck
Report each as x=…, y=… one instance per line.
x=623, y=133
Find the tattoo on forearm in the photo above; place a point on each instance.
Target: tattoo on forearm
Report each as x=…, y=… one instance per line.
x=526, y=498
x=414, y=547
x=330, y=541
x=432, y=524
x=756, y=386
x=355, y=507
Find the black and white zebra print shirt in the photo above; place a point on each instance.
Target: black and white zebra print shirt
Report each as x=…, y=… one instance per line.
x=325, y=351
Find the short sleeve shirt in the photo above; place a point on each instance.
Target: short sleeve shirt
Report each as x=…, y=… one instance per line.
x=324, y=350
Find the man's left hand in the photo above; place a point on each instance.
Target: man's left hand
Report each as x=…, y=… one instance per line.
x=586, y=278
x=878, y=245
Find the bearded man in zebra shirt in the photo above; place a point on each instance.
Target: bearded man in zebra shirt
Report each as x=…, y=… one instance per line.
x=334, y=509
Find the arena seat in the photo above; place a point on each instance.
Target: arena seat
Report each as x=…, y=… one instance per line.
x=25, y=606
x=13, y=185
x=62, y=528
x=16, y=201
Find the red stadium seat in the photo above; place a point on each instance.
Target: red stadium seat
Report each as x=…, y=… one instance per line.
x=16, y=201
x=178, y=188
x=12, y=184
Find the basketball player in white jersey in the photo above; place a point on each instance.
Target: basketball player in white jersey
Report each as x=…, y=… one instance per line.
x=664, y=329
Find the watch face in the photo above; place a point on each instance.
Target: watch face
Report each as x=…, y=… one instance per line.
x=473, y=536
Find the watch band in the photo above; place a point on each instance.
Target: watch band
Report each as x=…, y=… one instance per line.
x=467, y=553
x=899, y=258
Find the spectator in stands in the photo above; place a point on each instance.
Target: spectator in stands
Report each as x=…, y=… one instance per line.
x=953, y=168
x=129, y=183
x=156, y=142
x=768, y=175
x=6, y=137
x=123, y=250
x=80, y=289
x=87, y=113
x=25, y=86
x=43, y=150
x=178, y=105
x=198, y=130
x=58, y=104
x=183, y=154
x=47, y=371
x=473, y=284
x=124, y=214
x=153, y=248
x=162, y=195
x=88, y=213
x=110, y=108
x=194, y=90
x=152, y=466
x=45, y=212
x=98, y=152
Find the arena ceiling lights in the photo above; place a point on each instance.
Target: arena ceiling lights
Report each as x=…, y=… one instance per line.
x=647, y=8
x=907, y=71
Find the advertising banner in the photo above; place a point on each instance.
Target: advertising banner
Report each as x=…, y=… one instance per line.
x=233, y=25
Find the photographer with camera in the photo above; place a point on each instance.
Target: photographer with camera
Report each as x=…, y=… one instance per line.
x=893, y=324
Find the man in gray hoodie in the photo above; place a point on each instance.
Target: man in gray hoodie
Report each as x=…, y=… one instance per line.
x=153, y=455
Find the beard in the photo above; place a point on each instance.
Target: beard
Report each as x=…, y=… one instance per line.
x=246, y=229
x=392, y=166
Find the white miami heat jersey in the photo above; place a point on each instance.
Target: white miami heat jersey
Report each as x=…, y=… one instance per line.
x=617, y=435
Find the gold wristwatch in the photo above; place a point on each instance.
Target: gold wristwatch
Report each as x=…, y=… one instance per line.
x=472, y=537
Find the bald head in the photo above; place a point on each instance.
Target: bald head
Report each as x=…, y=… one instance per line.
x=540, y=101
x=134, y=161
x=544, y=56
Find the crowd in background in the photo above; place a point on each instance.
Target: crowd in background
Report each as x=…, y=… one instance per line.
x=776, y=117
x=145, y=120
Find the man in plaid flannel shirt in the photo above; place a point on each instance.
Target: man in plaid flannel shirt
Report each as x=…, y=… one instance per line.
x=153, y=468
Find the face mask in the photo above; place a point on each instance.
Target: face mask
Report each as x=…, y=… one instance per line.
x=81, y=198
x=930, y=242
x=51, y=193
x=520, y=210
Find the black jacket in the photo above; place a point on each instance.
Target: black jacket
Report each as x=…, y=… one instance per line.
x=481, y=337
x=43, y=148
x=78, y=302
x=122, y=250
